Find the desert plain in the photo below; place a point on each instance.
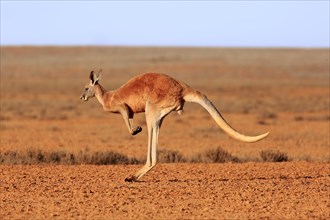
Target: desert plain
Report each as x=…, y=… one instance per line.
x=63, y=158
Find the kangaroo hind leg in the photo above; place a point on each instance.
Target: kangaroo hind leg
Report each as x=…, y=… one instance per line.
x=154, y=118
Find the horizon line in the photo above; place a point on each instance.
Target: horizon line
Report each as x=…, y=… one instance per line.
x=163, y=46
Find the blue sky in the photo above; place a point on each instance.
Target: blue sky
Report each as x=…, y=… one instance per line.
x=166, y=23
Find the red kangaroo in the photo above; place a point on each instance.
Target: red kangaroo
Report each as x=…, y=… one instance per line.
x=157, y=95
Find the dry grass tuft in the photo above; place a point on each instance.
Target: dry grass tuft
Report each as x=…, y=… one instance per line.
x=106, y=158
x=217, y=155
x=170, y=156
x=273, y=156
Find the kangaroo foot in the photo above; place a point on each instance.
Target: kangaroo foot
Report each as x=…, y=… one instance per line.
x=131, y=179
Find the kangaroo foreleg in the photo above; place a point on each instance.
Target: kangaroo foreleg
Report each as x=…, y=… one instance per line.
x=128, y=115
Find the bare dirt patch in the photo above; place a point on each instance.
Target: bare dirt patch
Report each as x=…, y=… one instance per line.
x=291, y=190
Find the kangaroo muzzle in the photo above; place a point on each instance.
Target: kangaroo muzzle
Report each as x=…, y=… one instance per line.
x=83, y=98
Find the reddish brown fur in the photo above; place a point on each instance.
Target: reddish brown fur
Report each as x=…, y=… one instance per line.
x=156, y=88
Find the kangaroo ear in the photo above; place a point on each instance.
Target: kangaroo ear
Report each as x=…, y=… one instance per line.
x=98, y=76
x=95, y=78
x=91, y=77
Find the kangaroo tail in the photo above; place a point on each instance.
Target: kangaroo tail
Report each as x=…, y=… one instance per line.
x=197, y=97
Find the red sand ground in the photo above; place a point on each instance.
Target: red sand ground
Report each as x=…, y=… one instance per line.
x=294, y=190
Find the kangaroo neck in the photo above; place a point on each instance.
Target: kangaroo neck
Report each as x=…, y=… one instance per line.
x=99, y=93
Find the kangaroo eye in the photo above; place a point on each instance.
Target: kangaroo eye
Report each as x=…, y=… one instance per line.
x=86, y=89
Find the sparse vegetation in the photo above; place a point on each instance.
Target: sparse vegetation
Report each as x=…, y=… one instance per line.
x=312, y=118
x=217, y=155
x=105, y=158
x=267, y=118
x=170, y=156
x=37, y=156
x=273, y=156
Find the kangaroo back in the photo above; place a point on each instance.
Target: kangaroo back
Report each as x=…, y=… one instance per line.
x=197, y=97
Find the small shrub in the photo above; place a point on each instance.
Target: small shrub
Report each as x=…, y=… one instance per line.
x=217, y=155
x=35, y=155
x=72, y=158
x=105, y=158
x=57, y=157
x=9, y=157
x=272, y=156
x=40, y=156
x=170, y=156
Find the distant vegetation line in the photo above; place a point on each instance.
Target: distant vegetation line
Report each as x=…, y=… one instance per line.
x=216, y=155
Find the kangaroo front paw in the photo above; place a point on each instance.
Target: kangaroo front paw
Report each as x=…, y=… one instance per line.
x=137, y=130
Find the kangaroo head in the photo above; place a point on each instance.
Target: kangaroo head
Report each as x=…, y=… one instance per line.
x=89, y=91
